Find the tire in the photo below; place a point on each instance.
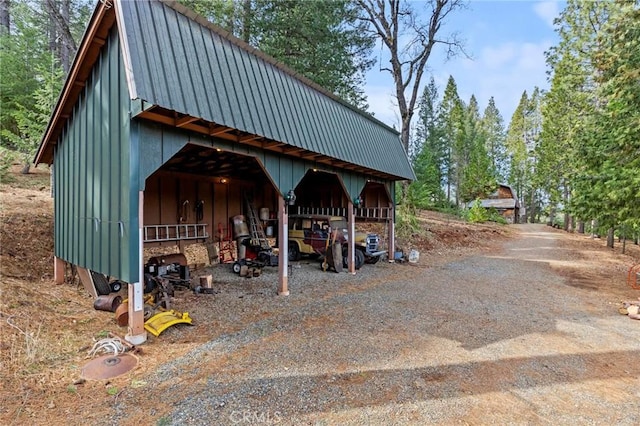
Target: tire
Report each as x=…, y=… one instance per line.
x=373, y=260
x=294, y=251
x=116, y=286
x=236, y=267
x=359, y=258
x=101, y=284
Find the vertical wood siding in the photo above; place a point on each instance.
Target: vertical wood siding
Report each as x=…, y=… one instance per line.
x=95, y=221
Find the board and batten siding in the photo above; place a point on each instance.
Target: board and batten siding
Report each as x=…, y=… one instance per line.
x=96, y=206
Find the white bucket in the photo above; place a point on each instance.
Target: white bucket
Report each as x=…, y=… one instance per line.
x=269, y=231
x=414, y=256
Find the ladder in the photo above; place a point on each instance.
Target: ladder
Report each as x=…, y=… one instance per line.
x=258, y=238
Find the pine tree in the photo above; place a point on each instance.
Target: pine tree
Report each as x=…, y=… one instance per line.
x=478, y=178
x=493, y=127
x=451, y=114
x=428, y=153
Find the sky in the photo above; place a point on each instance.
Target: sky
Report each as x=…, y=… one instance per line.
x=506, y=41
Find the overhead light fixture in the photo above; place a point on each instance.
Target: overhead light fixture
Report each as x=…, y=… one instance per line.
x=224, y=180
x=290, y=197
x=218, y=149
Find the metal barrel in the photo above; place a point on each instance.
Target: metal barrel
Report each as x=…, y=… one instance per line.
x=108, y=302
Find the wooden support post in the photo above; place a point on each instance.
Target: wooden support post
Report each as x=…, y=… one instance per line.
x=283, y=255
x=351, y=243
x=58, y=270
x=136, y=333
x=392, y=239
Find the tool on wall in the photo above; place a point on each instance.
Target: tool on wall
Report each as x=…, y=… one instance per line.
x=183, y=212
x=199, y=209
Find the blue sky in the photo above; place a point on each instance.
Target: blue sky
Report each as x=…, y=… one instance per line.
x=506, y=41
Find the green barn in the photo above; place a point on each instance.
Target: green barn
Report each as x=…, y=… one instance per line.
x=163, y=111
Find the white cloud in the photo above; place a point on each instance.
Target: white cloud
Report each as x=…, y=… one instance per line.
x=547, y=11
x=383, y=103
x=503, y=71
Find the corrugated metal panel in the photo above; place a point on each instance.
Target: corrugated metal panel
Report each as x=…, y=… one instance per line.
x=186, y=67
x=93, y=227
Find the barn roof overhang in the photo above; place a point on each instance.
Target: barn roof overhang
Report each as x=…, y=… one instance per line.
x=170, y=118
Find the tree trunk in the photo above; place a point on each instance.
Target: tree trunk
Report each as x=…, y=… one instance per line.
x=594, y=229
x=610, y=238
x=247, y=15
x=405, y=136
x=26, y=168
x=581, y=227
x=61, y=41
x=51, y=27
x=5, y=17
x=65, y=46
x=532, y=207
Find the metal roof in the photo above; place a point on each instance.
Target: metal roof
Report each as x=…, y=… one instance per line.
x=497, y=203
x=179, y=62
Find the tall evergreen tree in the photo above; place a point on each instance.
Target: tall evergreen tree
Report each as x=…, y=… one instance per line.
x=522, y=140
x=451, y=114
x=493, y=127
x=570, y=111
x=327, y=42
x=428, y=152
x=617, y=173
x=33, y=63
x=478, y=179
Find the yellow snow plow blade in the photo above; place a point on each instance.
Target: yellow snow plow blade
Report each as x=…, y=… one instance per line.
x=163, y=320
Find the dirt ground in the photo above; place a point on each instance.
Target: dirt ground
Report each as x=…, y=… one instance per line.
x=46, y=329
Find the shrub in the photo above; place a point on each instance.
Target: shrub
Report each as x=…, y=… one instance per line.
x=477, y=213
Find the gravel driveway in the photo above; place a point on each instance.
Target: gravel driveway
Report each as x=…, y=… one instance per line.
x=500, y=337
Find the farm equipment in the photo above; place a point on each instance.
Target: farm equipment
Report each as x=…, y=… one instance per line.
x=254, y=250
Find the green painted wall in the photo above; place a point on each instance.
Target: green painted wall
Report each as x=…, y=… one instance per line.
x=96, y=205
